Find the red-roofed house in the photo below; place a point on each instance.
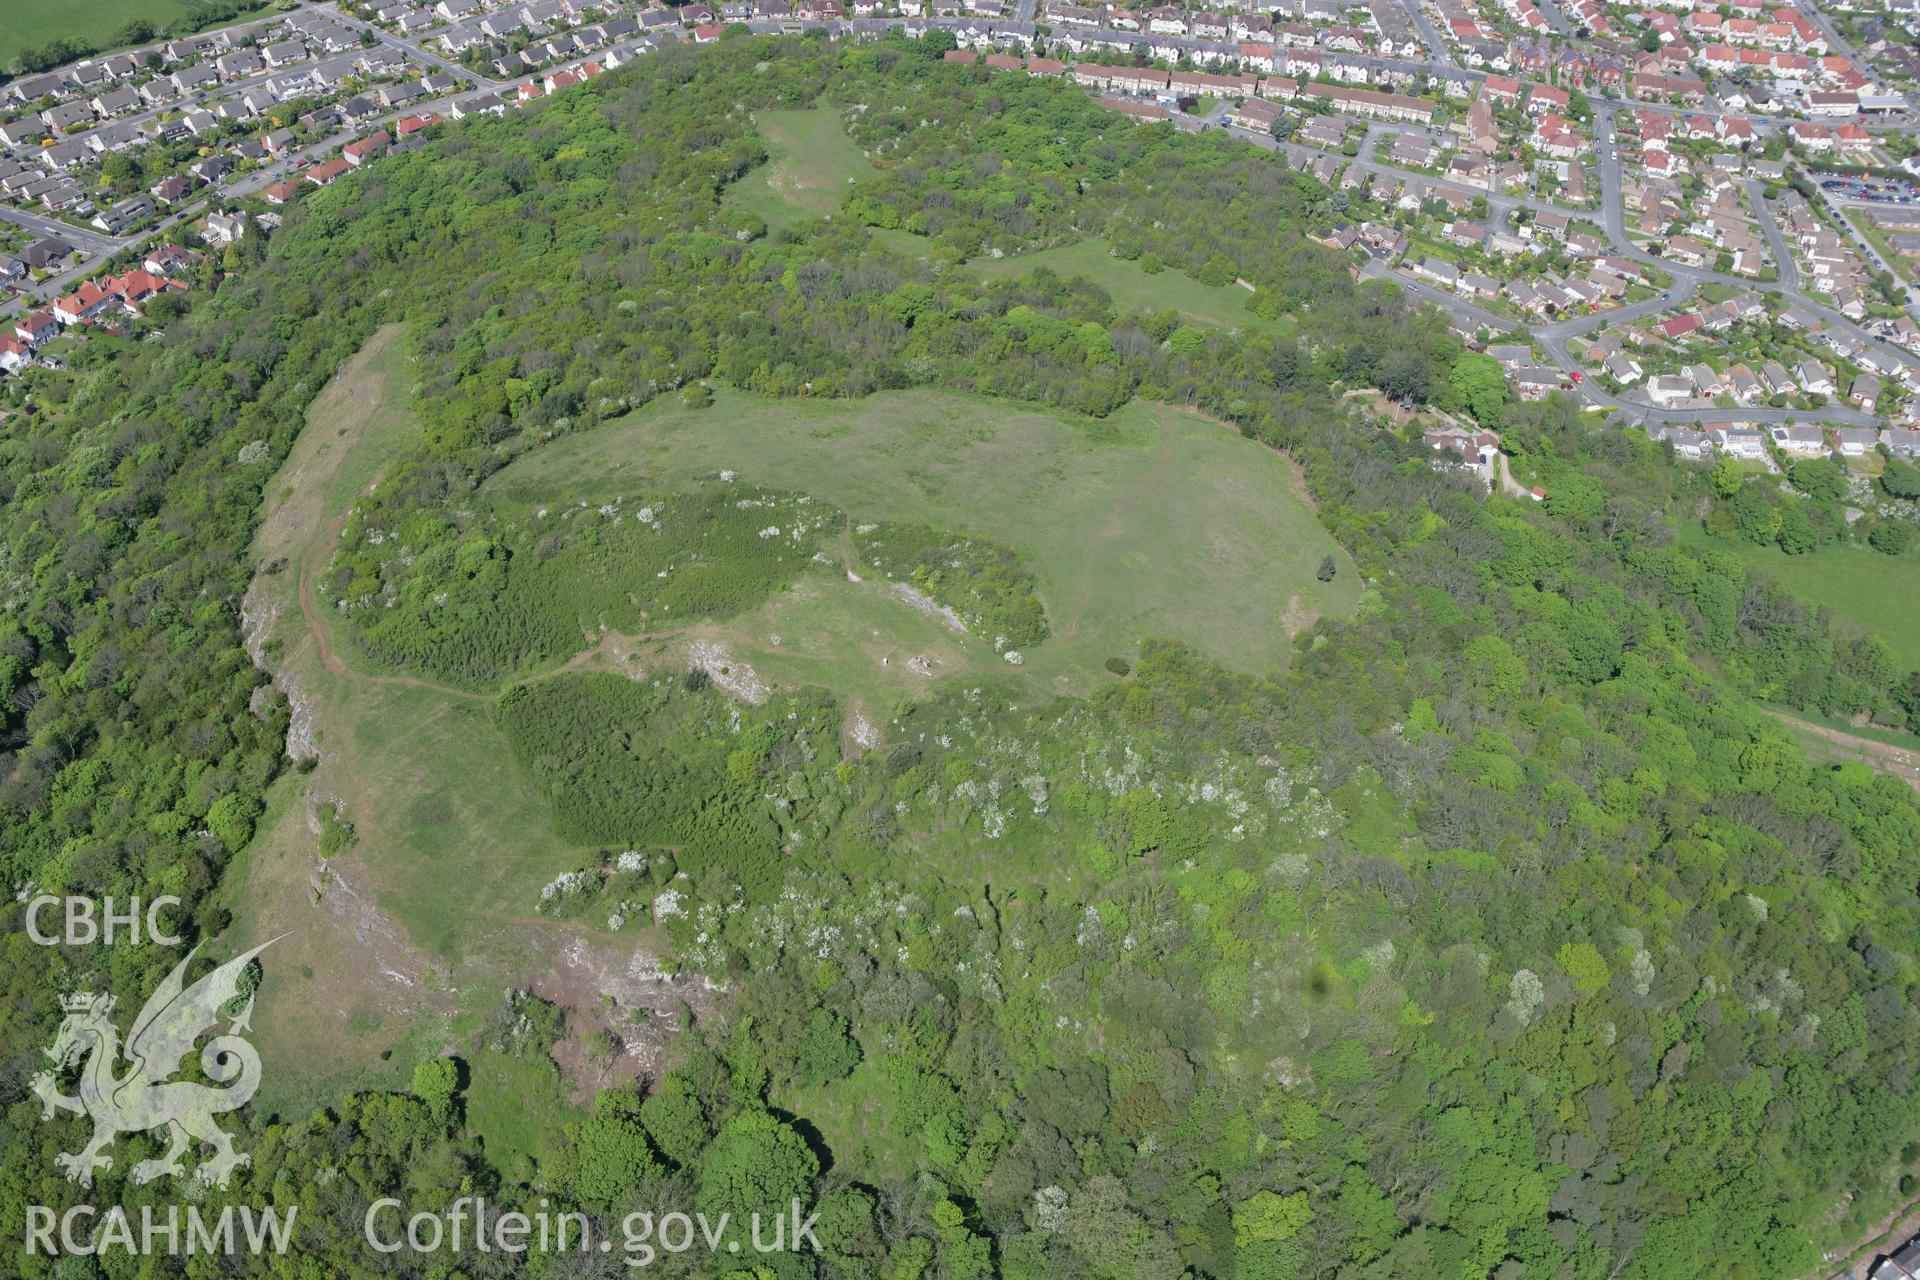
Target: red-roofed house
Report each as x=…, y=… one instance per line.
x=36, y=327
x=410, y=129
x=137, y=287
x=1811, y=136
x=321, y=174
x=371, y=147
x=84, y=303
x=1544, y=97
x=1678, y=326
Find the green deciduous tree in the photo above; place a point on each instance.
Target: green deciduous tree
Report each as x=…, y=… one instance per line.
x=758, y=1164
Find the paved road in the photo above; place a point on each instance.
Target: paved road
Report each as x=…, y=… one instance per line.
x=90, y=263
x=1440, y=66
x=1784, y=261
x=1835, y=41
x=1840, y=209
x=1300, y=153
x=1475, y=316
x=1508, y=485
x=1561, y=332
x=200, y=98
x=406, y=47
x=237, y=187
x=1555, y=338
x=1429, y=35
x=1371, y=143
x=103, y=245
x=1614, y=219
x=78, y=237
x=1834, y=414
x=1613, y=212
x=1555, y=19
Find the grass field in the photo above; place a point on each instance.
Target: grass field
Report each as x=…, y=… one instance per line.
x=400, y=945
x=29, y=24
x=813, y=161
x=857, y=1118
x=1156, y=522
x=1870, y=590
x=519, y=1104
x=1126, y=283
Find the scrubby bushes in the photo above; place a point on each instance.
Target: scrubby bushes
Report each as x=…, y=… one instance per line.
x=983, y=584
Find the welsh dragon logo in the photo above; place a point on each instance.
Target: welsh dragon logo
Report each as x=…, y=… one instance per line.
x=145, y=1096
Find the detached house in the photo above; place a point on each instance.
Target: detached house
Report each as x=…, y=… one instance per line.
x=1865, y=391
x=1814, y=378
x=36, y=327
x=225, y=228
x=14, y=354
x=361, y=150
x=84, y=303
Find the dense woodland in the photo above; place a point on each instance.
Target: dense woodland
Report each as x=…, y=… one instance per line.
x=1501, y=935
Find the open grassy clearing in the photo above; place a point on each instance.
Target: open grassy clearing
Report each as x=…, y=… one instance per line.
x=856, y=1117
x=1155, y=522
x=519, y=1105
x=400, y=945
x=812, y=163
x=1873, y=591
x=1130, y=286
x=322, y=1016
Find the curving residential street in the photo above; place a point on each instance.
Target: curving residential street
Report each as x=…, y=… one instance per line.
x=1467, y=311
x=1783, y=259
x=406, y=47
